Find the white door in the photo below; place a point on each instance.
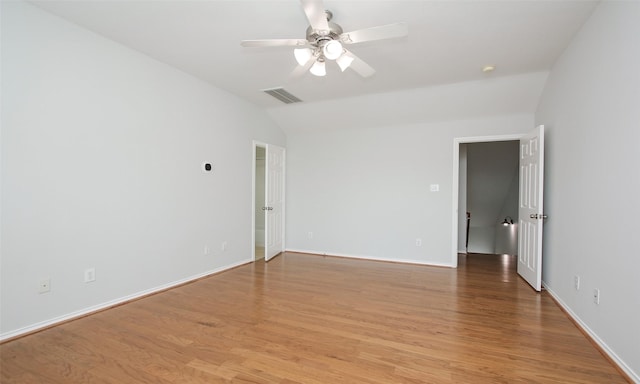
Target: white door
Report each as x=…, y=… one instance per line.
x=274, y=209
x=530, y=211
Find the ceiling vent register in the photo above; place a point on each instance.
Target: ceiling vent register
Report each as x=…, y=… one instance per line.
x=282, y=95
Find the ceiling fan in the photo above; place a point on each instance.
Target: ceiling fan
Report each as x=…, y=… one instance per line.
x=325, y=41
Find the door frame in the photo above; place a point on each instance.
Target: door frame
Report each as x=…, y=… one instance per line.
x=255, y=145
x=456, y=177
x=264, y=145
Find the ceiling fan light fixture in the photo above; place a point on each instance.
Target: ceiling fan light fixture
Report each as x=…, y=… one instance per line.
x=332, y=50
x=344, y=61
x=318, y=69
x=303, y=55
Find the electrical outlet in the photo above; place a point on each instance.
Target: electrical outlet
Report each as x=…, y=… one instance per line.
x=418, y=242
x=224, y=246
x=206, y=250
x=576, y=282
x=89, y=275
x=596, y=296
x=310, y=235
x=45, y=285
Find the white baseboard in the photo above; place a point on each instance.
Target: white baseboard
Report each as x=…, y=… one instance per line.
x=95, y=308
x=403, y=261
x=605, y=348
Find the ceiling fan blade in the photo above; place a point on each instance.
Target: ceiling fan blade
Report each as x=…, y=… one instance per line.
x=314, y=9
x=274, y=43
x=359, y=66
x=375, y=33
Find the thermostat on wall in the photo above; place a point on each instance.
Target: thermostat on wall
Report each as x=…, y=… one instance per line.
x=207, y=167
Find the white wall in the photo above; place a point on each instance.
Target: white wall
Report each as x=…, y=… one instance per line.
x=591, y=107
x=482, y=239
x=366, y=192
x=506, y=239
x=102, y=153
x=507, y=236
x=360, y=180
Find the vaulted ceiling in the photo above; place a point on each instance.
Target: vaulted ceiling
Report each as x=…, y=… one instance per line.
x=448, y=42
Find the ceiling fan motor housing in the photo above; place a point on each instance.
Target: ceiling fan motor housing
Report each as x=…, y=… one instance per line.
x=319, y=38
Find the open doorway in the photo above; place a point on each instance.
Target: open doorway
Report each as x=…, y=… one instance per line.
x=493, y=223
x=491, y=191
x=268, y=201
x=531, y=196
x=259, y=202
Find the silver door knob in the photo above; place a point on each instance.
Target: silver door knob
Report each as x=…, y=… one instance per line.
x=536, y=216
x=533, y=216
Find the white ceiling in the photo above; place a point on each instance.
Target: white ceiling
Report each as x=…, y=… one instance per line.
x=448, y=42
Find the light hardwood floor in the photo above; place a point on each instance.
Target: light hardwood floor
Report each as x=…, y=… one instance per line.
x=314, y=319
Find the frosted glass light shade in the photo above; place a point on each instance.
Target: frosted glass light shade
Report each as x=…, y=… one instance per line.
x=318, y=69
x=302, y=55
x=332, y=50
x=344, y=61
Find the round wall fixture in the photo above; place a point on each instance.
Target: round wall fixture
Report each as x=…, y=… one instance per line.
x=488, y=68
x=207, y=167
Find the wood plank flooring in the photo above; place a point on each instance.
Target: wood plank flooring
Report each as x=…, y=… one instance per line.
x=314, y=319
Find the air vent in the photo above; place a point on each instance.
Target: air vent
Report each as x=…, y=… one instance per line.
x=282, y=95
